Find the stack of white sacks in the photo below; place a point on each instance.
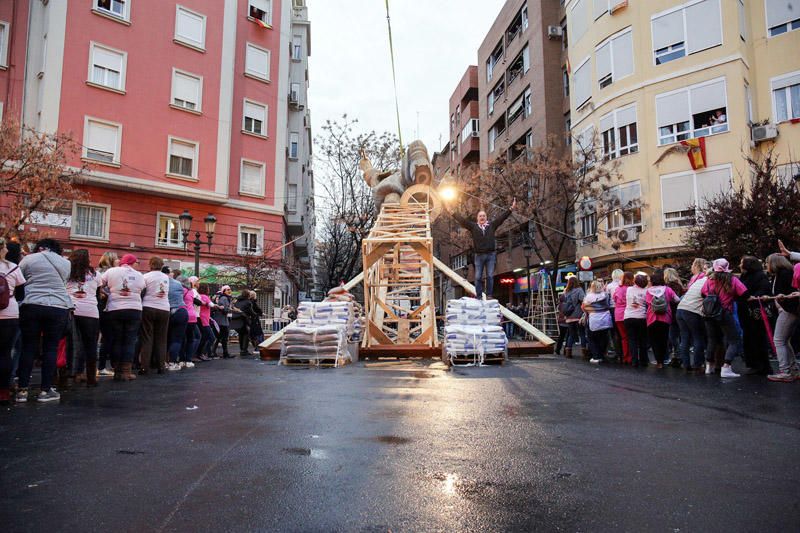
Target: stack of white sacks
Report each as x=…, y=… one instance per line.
x=321, y=331
x=473, y=328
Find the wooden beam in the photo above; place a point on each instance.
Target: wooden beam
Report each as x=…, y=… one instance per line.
x=523, y=324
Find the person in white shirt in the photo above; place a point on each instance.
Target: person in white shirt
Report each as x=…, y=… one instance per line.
x=82, y=287
x=124, y=310
x=636, y=320
x=611, y=288
x=9, y=320
x=155, y=319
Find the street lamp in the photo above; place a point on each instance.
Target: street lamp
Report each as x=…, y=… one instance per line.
x=527, y=250
x=185, y=222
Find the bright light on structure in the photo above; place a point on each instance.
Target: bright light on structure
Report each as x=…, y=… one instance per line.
x=448, y=193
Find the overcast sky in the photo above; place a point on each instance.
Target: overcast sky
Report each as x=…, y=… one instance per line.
x=350, y=68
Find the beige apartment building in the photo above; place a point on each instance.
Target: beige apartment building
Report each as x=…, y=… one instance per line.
x=645, y=76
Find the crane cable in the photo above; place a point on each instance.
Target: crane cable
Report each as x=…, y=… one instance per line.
x=394, y=78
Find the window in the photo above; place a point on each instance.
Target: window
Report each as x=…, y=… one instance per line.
x=102, y=141
x=260, y=10
x=515, y=110
x=291, y=198
x=614, y=59
x=4, y=44
x=251, y=178
x=182, y=158
x=579, y=16
x=494, y=58
x=684, y=193
x=782, y=16
x=254, y=118
x=115, y=8
x=742, y=20
x=90, y=221
x=524, y=14
x=294, y=145
x=582, y=83
x=565, y=80
x=168, y=231
x=190, y=28
x=471, y=129
x=585, y=148
x=618, y=132
x=588, y=221
x=251, y=240
x=696, y=111
x=564, y=38
x=567, y=129
x=527, y=107
x=107, y=67
x=294, y=93
x=495, y=95
x=459, y=261
x=297, y=48
x=187, y=90
x=625, y=209
x=788, y=173
x=688, y=29
x=786, y=97
x=257, y=62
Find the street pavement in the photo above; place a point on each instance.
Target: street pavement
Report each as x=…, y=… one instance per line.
x=542, y=444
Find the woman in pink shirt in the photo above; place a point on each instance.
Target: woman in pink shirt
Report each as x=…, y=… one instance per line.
x=619, y=315
x=659, y=301
x=192, y=331
x=82, y=287
x=205, y=323
x=722, y=329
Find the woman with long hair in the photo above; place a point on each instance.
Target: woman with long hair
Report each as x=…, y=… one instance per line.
x=673, y=280
x=781, y=270
x=691, y=322
x=573, y=298
x=659, y=299
x=754, y=335
x=205, y=323
x=724, y=288
x=82, y=287
x=619, y=296
x=597, y=305
x=635, y=319
x=9, y=320
x=107, y=260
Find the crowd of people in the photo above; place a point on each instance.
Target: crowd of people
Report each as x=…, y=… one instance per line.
x=701, y=325
x=75, y=320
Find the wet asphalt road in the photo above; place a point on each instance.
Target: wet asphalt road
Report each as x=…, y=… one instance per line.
x=538, y=445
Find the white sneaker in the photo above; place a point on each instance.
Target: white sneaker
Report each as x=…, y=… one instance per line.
x=173, y=366
x=710, y=368
x=188, y=364
x=105, y=372
x=727, y=372
x=595, y=361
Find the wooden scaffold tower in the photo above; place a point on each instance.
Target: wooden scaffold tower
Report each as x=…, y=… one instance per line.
x=543, y=313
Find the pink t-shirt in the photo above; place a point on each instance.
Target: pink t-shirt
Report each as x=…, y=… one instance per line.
x=725, y=298
x=125, y=285
x=669, y=296
x=157, y=290
x=205, y=310
x=635, y=302
x=188, y=303
x=84, y=296
x=14, y=279
x=619, y=302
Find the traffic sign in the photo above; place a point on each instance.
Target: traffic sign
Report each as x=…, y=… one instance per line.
x=584, y=263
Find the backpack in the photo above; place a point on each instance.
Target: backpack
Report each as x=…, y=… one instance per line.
x=659, y=304
x=5, y=290
x=712, y=307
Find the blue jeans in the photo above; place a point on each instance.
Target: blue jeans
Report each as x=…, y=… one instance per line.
x=42, y=327
x=693, y=334
x=192, y=340
x=489, y=261
x=206, y=336
x=125, y=325
x=177, y=334
x=723, y=331
x=574, y=332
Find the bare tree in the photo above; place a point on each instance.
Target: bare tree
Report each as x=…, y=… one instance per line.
x=347, y=211
x=35, y=178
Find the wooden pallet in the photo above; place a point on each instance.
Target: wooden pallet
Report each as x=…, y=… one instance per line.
x=322, y=362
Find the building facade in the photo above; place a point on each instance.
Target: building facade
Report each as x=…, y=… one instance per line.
x=465, y=124
x=646, y=76
x=187, y=105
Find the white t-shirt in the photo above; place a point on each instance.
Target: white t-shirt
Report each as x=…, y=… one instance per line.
x=610, y=289
x=125, y=285
x=157, y=290
x=15, y=279
x=84, y=296
x=692, y=300
x=635, y=305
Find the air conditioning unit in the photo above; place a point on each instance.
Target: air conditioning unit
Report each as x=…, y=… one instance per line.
x=554, y=32
x=765, y=132
x=628, y=235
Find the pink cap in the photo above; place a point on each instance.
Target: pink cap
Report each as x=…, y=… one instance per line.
x=721, y=265
x=193, y=279
x=128, y=259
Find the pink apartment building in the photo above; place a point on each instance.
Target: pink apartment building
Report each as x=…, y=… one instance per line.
x=178, y=105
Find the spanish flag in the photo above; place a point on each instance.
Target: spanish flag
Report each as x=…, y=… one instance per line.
x=696, y=152
x=262, y=23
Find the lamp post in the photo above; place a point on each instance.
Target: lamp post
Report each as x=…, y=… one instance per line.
x=185, y=222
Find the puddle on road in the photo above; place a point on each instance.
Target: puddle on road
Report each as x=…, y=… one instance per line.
x=306, y=452
x=391, y=439
x=452, y=484
x=423, y=375
x=130, y=452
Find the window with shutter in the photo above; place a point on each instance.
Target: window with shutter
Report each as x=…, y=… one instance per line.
x=251, y=180
x=294, y=145
x=685, y=195
x=261, y=10
x=257, y=62
x=582, y=83
x=187, y=90
x=782, y=16
x=579, y=20
x=190, y=27
x=116, y=8
x=182, y=158
x=101, y=141
x=107, y=67
x=688, y=29
x=786, y=97
x=251, y=239
x=4, y=44
x=255, y=118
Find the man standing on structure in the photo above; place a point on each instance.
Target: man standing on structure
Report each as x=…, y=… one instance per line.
x=484, y=245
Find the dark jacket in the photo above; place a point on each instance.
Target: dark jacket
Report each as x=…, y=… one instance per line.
x=220, y=316
x=757, y=284
x=483, y=241
x=572, y=302
x=782, y=284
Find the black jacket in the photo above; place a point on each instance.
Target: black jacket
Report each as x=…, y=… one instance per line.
x=782, y=284
x=483, y=241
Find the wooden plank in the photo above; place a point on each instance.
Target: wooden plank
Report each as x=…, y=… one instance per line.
x=376, y=332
